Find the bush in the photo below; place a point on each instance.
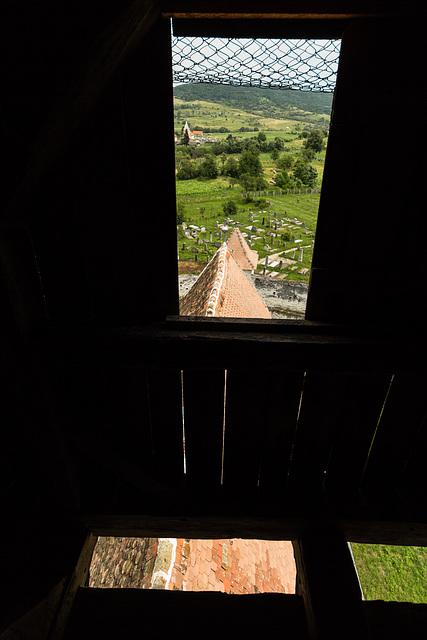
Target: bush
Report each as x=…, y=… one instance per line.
x=229, y=207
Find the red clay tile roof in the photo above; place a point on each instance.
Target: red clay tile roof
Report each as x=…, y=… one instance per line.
x=246, y=258
x=222, y=290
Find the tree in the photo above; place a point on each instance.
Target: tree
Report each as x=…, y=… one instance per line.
x=306, y=173
x=231, y=168
x=252, y=183
x=278, y=143
x=285, y=162
x=308, y=154
x=209, y=168
x=188, y=170
x=274, y=154
x=315, y=141
x=261, y=136
x=229, y=207
x=185, y=138
x=250, y=162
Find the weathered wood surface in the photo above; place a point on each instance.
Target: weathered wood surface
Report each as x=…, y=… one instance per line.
x=308, y=9
x=203, y=423
x=196, y=348
x=356, y=526
x=128, y=613
x=78, y=579
x=396, y=620
x=328, y=583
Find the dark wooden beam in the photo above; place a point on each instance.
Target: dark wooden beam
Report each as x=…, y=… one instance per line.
x=327, y=580
x=281, y=528
x=273, y=347
x=306, y=9
x=78, y=579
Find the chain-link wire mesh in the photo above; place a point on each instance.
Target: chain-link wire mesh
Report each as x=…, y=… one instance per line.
x=308, y=65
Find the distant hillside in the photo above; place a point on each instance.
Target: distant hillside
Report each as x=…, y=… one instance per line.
x=269, y=103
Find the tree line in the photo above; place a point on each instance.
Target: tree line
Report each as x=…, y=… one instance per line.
x=210, y=161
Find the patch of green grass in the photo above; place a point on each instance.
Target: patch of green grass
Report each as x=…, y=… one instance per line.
x=206, y=211
x=392, y=572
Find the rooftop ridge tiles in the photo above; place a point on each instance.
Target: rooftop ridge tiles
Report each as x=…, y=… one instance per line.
x=219, y=279
x=244, y=246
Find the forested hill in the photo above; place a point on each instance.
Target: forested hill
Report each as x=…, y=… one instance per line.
x=269, y=103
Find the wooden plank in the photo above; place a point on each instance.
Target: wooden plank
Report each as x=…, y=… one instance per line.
x=358, y=524
x=247, y=401
x=328, y=582
x=414, y=476
x=362, y=403
x=157, y=614
x=396, y=620
x=279, y=431
x=308, y=9
x=399, y=425
x=165, y=399
x=78, y=579
x=158, y=348
x=288, y=27
x=203, y=424
x=321, y=404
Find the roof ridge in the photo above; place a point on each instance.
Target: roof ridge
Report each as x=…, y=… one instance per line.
x=219, y=279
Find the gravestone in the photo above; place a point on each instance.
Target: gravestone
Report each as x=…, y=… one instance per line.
x=284, y=245
x=203, y=229
x=210, y=237
x=303, y=224
x=216, y=223
x=249, y=237
x=301, y=254
x=254, y=229
x=300, y=235
x=217, y=244
x=275, y=226
x=293, y=254
x=194, y=249
x=184, y=226
x=281, y=264
x=184, y=247
x=206, y=248
x=199, y=241
x=263, y=222
x=292, y=238
x=266, y=261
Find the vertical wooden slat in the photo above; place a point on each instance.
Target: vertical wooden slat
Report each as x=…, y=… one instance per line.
x=403, y=414
x=282, y=412
x=260, y=419
x=165, y=399
x=128, y=430
x=203, y=424
x=247, y=398
x=320, y=407
x=363, y=401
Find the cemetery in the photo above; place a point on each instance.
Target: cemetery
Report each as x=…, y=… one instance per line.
x=284, y=243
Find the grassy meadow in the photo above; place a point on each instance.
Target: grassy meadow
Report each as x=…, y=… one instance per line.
x=392, y=572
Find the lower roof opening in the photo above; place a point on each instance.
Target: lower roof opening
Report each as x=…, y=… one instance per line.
x=232, y=566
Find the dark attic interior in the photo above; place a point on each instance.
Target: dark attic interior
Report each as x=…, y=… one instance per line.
x=325, y=434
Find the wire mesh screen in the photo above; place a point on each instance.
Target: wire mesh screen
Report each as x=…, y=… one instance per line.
x=308, y=65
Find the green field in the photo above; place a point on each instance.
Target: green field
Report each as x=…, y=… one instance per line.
x=392, y=572
x=204, y=209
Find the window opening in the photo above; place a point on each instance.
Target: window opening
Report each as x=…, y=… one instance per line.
x=233, y=566
x=391, y=572
x=249, y=167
